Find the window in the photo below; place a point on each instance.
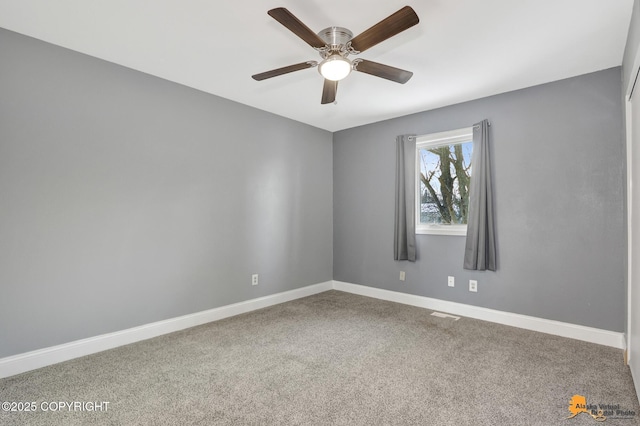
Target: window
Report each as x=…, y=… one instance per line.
x=443, y=173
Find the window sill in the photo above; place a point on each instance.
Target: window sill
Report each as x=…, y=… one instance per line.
x=460, y=231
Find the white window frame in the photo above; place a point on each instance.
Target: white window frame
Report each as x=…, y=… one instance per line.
x=434, y=140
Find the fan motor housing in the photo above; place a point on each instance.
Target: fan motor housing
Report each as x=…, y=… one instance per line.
x=335, y=37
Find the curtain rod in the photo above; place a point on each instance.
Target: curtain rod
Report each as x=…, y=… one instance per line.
x=478, y=125
x=475, y=126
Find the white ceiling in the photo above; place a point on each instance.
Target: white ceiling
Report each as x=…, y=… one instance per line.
x=461, y=49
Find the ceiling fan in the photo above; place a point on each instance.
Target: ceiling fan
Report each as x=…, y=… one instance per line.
x=335, y=44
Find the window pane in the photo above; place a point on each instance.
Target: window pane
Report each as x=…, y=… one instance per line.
x=445, y=174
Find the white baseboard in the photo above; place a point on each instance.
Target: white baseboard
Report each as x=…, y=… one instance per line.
x=20, y=363
x=558, y=328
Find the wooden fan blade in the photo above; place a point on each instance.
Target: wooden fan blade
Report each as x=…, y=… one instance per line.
x=284, y=70
x=401, y=20
x=329, y=91
x=384, y=71
x=296, y=26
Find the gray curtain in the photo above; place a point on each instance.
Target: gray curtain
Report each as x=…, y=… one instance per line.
x=404, y=247
x=480, y=250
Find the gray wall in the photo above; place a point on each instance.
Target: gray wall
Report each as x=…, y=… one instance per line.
x=558, y=156
x=127, y=199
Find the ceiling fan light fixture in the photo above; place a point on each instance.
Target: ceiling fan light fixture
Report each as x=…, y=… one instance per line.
x=334, y=44
x=335, y=67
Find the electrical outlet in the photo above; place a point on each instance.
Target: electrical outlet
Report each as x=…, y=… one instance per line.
x=473, y=285
x=402, y=275
x=254, y=279
x=452, y=281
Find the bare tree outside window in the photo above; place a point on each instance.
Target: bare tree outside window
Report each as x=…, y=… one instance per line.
x=445, y=175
